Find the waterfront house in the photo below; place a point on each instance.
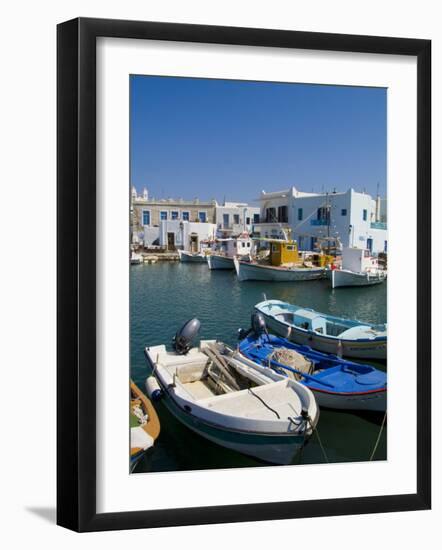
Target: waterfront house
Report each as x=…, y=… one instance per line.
x=147, y=214
x=233, y=218
x=355, y=218
x=185, y=235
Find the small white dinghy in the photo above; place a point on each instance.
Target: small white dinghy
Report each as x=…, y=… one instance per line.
x=136, y=258
x=232, y=401
x=192, y=257
x=226, y=249
x=358, y=269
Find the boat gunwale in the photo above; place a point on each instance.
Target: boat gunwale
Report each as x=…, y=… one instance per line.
x=343, y=393
x=354, y=322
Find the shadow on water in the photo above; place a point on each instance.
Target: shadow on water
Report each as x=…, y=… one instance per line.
x=165, y=295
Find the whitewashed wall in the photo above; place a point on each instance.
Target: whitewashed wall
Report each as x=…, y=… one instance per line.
x=183, y=231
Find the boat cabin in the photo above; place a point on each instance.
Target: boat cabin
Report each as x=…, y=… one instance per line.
x=283, y=252
x=309, y=320
x=358, y=260
x=230, y=247
x=243, y=245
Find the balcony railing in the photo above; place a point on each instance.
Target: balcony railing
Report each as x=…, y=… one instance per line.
x=319, y=222
x=378, y=225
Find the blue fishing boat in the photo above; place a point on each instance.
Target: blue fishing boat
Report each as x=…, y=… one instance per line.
x=323, y=332
x=336, y=383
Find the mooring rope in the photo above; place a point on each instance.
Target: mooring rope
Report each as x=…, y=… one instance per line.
x=264, y=403
x=379, y=437
x=315, y=430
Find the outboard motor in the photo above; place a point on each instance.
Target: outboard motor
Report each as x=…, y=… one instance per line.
x=258, y=326
x=182, y=341
x=258, y=323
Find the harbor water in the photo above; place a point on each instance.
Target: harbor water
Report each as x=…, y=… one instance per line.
x=163, y=296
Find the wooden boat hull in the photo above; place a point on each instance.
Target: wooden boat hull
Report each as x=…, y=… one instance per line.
x=343, y=277
x=247, y=271
x=188, y=257
x=375, y=348
x=215, y=261
x=152, y=427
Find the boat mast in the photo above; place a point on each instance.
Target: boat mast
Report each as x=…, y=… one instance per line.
x=327, y=213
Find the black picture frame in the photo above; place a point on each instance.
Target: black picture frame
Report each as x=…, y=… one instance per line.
x=76, y=273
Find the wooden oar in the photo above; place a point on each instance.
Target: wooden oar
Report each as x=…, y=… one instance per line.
x=214, y=355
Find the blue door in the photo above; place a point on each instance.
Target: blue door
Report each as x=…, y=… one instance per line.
x=370, y=245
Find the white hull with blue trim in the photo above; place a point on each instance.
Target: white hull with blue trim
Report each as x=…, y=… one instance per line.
x=345, y=277
x=342, y=337
x=192, y=257
x=249, y=271
x=234, y=402
x=216, y=261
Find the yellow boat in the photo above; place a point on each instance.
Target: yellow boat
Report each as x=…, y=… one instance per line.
x=282, y=263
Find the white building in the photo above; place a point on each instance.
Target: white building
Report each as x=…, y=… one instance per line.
x=235, y=217
x=353, y=217
x=185, y=235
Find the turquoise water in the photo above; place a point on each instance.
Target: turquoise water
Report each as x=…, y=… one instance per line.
x=165, y=295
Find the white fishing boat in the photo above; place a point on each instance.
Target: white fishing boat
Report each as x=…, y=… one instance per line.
x=342, y=337
x=281, y=264
x=136, y=258
x=218, y=261
x=358, y=269
x=225, y=250
x=232, y=401
x=249, y=271
x=192, y=257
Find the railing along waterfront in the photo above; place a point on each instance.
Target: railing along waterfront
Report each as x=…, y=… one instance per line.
x=378, y=225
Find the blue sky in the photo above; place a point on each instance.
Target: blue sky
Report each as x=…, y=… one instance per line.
x=231, y=139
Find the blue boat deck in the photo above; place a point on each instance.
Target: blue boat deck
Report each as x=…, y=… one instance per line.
x=330, y=373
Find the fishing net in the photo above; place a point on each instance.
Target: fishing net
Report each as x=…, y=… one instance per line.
x=292, y=358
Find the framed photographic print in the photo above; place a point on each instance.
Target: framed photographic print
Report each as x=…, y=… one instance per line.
x=243, y=270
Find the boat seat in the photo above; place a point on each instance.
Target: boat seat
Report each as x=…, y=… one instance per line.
x=286, y=317
x=188, y=374
x=140, y=439
x=198, y=390
x=354, y=333
x=372, y=378
x=246, y=405
x=172, y=360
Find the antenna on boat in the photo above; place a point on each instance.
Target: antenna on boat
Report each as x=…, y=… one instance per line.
x=264, y=296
